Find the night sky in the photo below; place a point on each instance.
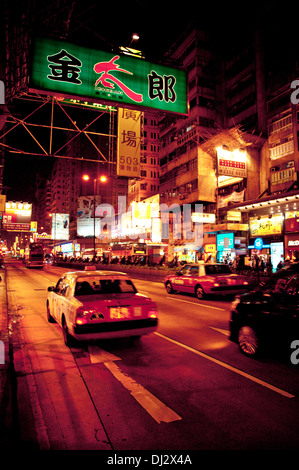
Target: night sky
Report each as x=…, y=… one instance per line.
x=159, y=24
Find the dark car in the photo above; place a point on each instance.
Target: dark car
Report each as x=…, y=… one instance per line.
x=267, y=318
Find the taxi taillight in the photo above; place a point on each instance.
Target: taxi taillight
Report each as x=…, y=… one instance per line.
x=153, y=314
x=81, y=317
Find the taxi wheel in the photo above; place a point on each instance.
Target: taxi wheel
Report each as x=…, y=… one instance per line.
x=199, y=292
x=169, y=288
x=69, y=340
x=248, y=341
x=49, y=316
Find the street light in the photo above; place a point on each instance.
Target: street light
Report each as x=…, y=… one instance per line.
x=134, y=37
x=102, y=179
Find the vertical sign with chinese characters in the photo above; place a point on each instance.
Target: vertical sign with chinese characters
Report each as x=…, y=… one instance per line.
x=128, y=143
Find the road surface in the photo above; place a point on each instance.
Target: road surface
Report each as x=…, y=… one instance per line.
x=185, y=387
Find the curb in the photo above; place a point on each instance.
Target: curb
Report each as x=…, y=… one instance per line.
x=7, y=433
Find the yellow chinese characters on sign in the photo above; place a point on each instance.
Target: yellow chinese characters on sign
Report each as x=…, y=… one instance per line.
x=128, y=143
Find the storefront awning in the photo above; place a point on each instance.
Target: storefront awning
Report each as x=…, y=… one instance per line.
x=267, y=202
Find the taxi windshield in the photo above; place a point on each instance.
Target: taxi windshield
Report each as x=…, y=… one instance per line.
x=94, y=285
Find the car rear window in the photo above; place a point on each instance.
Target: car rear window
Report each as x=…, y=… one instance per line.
x=94, y=285
x=218, y=269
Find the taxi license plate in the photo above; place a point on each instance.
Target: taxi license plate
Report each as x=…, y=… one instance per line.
x=119, y=312
x=125, y=312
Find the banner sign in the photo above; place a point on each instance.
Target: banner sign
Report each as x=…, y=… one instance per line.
x=69, y=69
x=223, y=201
x=128, y=143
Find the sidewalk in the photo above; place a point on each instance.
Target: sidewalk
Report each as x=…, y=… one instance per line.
x=7, y=436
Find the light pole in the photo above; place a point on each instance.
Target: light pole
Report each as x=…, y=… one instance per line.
x=102, y=179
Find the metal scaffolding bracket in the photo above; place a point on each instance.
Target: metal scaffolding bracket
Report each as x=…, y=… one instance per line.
x=44, y=146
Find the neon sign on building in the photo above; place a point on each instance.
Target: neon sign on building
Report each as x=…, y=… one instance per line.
x=69, y=69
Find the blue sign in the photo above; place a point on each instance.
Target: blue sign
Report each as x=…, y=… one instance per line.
x=258, y=243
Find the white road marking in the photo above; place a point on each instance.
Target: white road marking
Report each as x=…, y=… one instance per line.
x=97, y=354
x=196, y=304
x=223, y=332
x=158, y=410
x=227, y=366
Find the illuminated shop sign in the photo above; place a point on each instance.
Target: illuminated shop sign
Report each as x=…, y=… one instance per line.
x=292, y=242
x=69, y=69
x=234, y=215
x=203, y=218
x=266, y=225
x=292, y=221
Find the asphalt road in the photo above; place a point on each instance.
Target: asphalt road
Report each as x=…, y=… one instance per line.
x=185, y=387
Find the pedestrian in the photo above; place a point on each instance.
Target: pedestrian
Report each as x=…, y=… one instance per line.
x=256, y=260
x=280, y=265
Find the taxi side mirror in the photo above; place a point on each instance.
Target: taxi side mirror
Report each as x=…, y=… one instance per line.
x=51, y=288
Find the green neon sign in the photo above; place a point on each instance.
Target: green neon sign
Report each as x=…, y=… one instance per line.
x=69, y=69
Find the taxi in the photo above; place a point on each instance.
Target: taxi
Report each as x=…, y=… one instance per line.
x=99, y=305
x=206, y=278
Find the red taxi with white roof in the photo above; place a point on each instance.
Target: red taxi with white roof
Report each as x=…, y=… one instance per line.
x=100, y=304
x=206, y=278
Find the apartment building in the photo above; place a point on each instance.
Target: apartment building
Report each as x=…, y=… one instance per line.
x=227, y=97
x=181, y=182
x=148, y=184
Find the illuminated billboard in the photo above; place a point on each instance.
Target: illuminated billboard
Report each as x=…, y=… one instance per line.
x=17, y=217
x=85, y=216
x=231, y=163
x=60, y=226
x=69, y=69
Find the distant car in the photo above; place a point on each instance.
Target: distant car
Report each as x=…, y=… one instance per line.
x=100, y=304
x=267, y=319
x=201, y=279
